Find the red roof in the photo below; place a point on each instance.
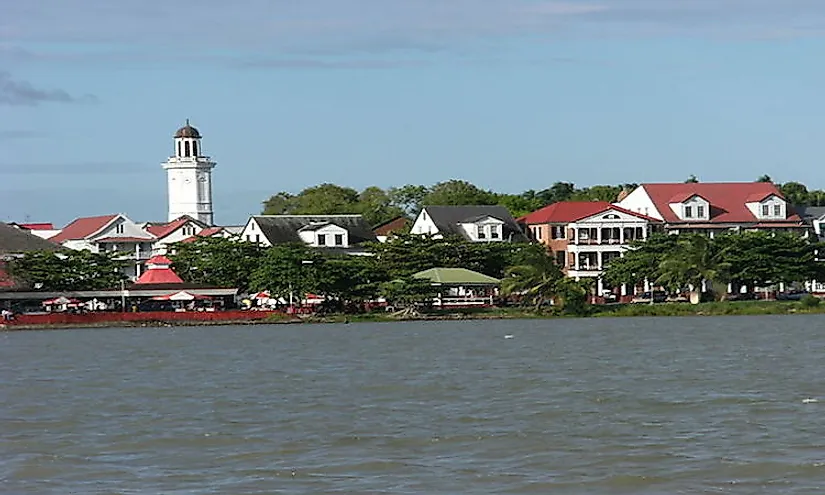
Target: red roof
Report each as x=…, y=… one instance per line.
x=571, y=211
x=158, y=272
x=727, y=199
x=159, y=260
x=161, y=231
x=159, y=276
x=36, y=226
x=82, y=228
x=210, y=231
x=394, y=225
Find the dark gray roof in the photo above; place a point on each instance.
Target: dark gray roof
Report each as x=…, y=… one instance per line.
x=18, y=241
x=313, y=227
x=282, y=229
x=810, y=212
x=448, y=218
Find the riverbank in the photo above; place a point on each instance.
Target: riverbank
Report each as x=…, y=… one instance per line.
x=743, y=308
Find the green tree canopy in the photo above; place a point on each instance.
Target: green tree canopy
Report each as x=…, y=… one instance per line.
x=216, y=261
x=69, y=270
x=642, y=261
x=457, y=193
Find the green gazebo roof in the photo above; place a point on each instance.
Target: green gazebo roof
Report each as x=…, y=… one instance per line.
x=456, y=276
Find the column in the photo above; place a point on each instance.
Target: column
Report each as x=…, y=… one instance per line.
x=599, y=287
x=598, y=235
x=600, y=261
x=621, y=235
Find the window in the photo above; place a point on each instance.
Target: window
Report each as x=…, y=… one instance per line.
x=248, y=238
x=494, y=232
x=119, y=228
x=766, y=210
x=538, y=236
x=480, y=232
x=195, y=149
x=186, y=149
x=339, y=239
x=561, y=258
x=688, y=212
x=700, y=211
x=777, y=210
x=558, y=232
x=322, y=239
x=257, y=237
x=178, y=148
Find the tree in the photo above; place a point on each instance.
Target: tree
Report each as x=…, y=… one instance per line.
x=408, y=198
x=642, y=261
x=539, y=280
x=376, y=205
x=287, y=270
x=348, y=279
x=458, y=193
x=691, y=180
x=764, y=178
x=407, y=292
x=519, y=204
x=795, y=193
x=69, y=270
x=216, y=261
x=279, y=204
x=560, y=191
x=695, y=260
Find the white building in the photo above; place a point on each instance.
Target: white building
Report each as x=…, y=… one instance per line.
x=115, y=234
x=342, y=232
x=473, y=223
x=189, y=177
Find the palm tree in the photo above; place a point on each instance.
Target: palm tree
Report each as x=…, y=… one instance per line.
x=694, y=262
x=540, y=280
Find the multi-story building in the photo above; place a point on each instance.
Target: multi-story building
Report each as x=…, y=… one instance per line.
x=715, y=207
x=585, y=236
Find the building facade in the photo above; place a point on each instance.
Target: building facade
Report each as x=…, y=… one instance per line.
x=585, y=236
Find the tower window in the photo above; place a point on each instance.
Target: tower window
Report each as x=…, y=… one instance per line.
x=186, y=149
x=179, y=148
x=195, y=148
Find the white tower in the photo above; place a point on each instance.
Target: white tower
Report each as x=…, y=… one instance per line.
x=189, y=175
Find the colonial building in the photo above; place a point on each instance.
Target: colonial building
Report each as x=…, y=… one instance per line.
x=715, y=208
x=189, y=178
x=115, y=234
x=585, y=236
x=473, y=223
x=347, y=233
x=175, y=231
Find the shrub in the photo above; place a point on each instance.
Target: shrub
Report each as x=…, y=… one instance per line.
x=809, y=301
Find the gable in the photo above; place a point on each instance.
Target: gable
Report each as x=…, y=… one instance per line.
x=615, y=215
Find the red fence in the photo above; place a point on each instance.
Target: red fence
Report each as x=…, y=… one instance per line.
x=149, y=316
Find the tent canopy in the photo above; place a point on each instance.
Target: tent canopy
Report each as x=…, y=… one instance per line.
x=180, y=296
x=456, y=276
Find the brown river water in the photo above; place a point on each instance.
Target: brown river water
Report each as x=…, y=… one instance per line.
x=616, y=406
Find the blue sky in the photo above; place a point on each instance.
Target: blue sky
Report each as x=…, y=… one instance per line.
x=508, y=94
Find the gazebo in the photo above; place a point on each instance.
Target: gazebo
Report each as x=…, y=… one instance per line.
x=461, y=287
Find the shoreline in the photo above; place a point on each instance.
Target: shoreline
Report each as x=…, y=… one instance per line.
x=660, y=310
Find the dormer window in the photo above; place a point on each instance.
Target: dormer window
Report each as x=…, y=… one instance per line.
x=339, y=239
x=480, y=232
x=119, y=229
x=777, y=210
x=688, y=212
x=700, y=211
x=494, y=232
x=766, y=210
x=322, y=239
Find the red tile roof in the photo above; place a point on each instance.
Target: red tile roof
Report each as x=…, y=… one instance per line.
x=727, y=199
x=394, y=225
x=158, y=272
x=161, y=231
x=210, y=231
x=571, y=211
x=37, y=226
x=82, y=228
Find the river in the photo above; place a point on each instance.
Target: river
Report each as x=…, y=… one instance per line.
x=578, y=406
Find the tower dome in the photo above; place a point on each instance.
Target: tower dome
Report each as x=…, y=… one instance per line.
x=188, y=131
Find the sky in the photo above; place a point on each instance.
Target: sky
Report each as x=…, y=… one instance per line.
x=508, y=94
